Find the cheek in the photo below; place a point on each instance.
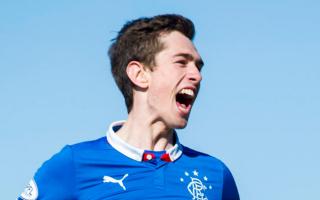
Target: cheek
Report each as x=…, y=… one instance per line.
x=160, y=83
x=160, y=92
x=163, y=86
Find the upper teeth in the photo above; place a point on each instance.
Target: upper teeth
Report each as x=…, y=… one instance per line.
x=187, y=91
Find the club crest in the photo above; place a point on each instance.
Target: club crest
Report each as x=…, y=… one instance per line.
x=196, y=184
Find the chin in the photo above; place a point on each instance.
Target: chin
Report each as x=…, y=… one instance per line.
x=181, y=124
x=181, y=127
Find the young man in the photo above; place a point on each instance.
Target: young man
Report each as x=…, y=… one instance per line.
x=157, y=69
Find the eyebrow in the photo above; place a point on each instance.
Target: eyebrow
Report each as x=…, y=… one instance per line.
x=199, y=62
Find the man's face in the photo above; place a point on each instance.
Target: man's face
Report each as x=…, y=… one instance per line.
x=175, y=80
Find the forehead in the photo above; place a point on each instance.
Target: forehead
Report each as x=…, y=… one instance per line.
x=175, y=43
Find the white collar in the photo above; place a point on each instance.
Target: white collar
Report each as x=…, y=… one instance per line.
x=133, y=152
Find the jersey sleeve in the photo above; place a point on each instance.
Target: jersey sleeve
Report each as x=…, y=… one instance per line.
x=54, y=179
x=230, y=191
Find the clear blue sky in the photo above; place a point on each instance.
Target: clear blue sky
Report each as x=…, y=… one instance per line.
x=258, y=108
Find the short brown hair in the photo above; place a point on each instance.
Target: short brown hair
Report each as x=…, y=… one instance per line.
x=138, y=40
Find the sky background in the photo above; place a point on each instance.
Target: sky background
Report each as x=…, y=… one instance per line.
x=258, y=109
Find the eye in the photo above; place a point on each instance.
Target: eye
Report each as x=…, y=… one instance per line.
x=182, y=62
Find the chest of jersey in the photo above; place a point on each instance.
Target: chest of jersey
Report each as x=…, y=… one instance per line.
x=148, y=180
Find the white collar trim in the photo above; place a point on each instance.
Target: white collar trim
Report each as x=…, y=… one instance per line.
x=135, y=153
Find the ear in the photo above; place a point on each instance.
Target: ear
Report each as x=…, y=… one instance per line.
x=137, y=74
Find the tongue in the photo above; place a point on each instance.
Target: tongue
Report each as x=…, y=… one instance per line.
x=183, y=105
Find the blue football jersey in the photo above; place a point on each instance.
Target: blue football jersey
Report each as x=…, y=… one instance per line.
x=109, y=168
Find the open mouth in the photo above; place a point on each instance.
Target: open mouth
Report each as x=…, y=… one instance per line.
x=184, y=99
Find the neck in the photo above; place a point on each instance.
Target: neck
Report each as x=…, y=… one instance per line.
x=145, y=132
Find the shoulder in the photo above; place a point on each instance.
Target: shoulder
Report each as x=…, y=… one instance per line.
x=96, y=144
x=216, y=168
x=209, y=162
x=203, y=157
x=206, y=159
x=66, y=155
x=56, y=178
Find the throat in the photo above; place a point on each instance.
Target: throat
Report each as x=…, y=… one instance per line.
x=146, y=136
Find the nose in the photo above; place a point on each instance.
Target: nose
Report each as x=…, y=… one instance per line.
x=194, y=75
